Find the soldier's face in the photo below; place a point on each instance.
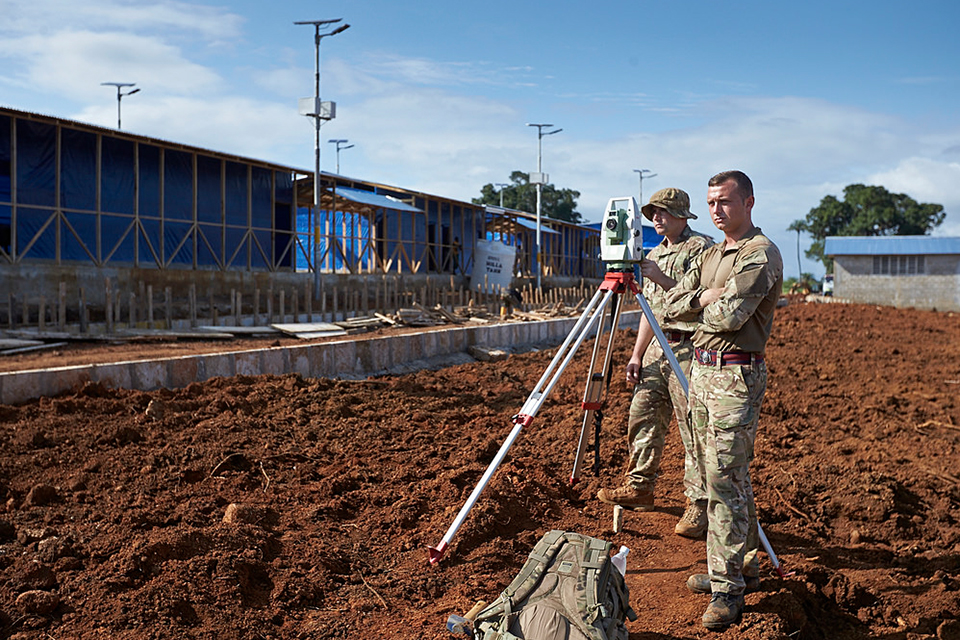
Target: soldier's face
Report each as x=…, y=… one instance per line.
x=665, y=224
x=729, y=212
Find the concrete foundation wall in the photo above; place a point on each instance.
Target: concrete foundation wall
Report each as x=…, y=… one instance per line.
x=341, y=359
x=938, y=288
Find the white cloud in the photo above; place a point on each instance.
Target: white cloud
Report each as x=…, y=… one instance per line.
x=40, y=17
x=72, y=64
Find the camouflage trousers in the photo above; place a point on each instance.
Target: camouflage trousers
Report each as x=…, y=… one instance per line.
x=657, y=397
x=724, y=412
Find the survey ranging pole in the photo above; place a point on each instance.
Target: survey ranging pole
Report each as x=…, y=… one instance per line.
x=621, y=247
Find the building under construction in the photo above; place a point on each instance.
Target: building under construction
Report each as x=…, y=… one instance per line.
x=103, y=223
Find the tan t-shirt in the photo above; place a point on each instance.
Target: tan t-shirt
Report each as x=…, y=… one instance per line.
x=751, y=275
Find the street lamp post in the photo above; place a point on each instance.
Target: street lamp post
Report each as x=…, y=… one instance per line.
x=640, y=173
x=317, y=112
x=120, y=94
x=541, y=178
x=502, y=185
x=340, y=145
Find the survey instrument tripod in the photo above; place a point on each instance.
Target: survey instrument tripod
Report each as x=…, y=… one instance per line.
x=616, y=282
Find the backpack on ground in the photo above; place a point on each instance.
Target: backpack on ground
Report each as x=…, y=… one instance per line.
x=568, y=589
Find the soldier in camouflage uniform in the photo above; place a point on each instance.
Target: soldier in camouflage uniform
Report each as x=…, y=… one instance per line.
x=732, y=292
x=658, y=394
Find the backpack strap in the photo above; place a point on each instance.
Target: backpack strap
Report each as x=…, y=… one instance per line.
x=528, y=578
x=596, y=559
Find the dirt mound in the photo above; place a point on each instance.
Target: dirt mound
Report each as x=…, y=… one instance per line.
x=279, y=507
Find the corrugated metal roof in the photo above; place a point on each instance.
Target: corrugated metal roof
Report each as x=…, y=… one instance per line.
x=374, y=199
x=532, y=224
x=890, y=245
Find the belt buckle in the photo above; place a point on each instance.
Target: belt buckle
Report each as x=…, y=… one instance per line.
x=706, y=358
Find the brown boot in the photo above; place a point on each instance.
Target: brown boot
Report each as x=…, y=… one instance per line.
x=628, y=497
x=724, y=610
x=693, y=523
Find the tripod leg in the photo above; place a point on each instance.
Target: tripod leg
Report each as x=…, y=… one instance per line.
x=584, y=325
x=592, y=395
x=664, y=343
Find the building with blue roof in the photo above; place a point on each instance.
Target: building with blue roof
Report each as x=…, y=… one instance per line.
x=900, y=271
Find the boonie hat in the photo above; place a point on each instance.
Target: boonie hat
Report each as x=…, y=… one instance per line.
x=675, y=201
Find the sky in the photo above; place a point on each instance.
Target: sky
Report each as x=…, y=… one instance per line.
x=805, y=97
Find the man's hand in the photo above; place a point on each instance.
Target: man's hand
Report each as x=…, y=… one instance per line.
x=710, y=295
x=633, y=371
x=652, y=272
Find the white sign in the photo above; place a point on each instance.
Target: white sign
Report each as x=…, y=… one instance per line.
x=492, y=265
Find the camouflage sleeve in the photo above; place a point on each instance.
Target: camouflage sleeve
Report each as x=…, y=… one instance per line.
x=745, y=289
x=681, y=298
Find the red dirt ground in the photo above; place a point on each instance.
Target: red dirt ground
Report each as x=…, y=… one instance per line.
x=282, y=507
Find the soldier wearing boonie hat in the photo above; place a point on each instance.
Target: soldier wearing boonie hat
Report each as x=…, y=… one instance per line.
x=657, y=392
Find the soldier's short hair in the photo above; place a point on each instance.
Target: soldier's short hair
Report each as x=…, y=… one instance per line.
x=744, y=185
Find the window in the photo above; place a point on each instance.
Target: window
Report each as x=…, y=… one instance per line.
x=899, y=265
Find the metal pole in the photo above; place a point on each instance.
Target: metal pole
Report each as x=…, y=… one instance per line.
x=540, y=135
x=316, y=170
x=640, y=173
x=317, y=25
x=120, y=94
x=501, y=186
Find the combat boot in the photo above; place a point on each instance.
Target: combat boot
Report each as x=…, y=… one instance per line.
x=700, y=583
x=724, y=610
x=628, y=497
x=693, y=522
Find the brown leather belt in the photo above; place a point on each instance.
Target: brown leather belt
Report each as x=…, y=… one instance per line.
x=708, y=358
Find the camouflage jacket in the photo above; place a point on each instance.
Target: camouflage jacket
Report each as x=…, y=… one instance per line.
x=674, y=260
x=751, y=275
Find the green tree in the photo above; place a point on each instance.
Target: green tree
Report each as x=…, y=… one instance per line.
x=866, y=211
x=559, y=204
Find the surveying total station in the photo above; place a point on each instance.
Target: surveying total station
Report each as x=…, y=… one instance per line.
x=621, y=247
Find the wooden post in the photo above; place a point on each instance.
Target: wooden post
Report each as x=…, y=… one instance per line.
x=26, y=311
x=108, y=306
x=83, y=311
x=256, y=307
x=270, y=304
x=168, y=307
x=336, y=301
x=42, y=315
x=308, y=301
x=239, y=314
x=193, y=305
x=61, y=308
x=11, y=305
x=133, y=309
x=150, y=305
x=295, y=304
x=283, y=308
x=233, y=303
x=323, y=302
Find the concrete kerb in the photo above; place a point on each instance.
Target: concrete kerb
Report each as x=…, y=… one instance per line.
x=346, y=359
